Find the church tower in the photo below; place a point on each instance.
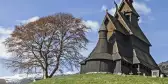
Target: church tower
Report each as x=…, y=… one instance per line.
x=122, y=46
x=129, y=12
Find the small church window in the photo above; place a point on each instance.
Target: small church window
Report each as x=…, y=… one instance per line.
x=127, y=17
x=106, y=21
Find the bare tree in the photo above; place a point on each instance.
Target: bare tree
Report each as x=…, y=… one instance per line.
x=48, y=44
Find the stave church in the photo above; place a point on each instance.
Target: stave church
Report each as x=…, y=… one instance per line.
x=122, y=46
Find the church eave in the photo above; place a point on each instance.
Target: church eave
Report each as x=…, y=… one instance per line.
x=100, y=56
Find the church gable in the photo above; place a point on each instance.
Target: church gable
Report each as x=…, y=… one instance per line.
x=128, y=17
x=126, y=6
x=112, y=25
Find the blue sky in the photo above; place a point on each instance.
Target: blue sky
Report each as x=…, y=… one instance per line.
x=153, y=20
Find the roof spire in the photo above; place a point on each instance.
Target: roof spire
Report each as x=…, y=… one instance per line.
x=106, y=10
x=129, y=1
x=116, y=7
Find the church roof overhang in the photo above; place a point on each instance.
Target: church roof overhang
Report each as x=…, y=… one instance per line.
x=100, y=56
x=143, y=58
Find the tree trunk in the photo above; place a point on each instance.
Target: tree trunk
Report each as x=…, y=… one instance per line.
x=45, y=71
x=45, y=74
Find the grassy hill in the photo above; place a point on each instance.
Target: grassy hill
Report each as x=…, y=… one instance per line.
x=103, y=79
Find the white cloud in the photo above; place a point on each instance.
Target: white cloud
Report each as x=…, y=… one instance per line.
x=3, y=49
x=112, y=11
x=104, y=8
x=140, y=21
x=94, y=25
x=142, y=8
x=32, y=19
x=4, y=32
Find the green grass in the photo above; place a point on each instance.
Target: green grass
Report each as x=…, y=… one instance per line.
x=102, y=79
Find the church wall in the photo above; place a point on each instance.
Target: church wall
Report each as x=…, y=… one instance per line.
x=92, y=66
x=98, y=66
x=117, y=68
x=126, y=67
x=134, y=71
x=145, y=70
x=83, y=69
x=107, y=66
x=142, y=69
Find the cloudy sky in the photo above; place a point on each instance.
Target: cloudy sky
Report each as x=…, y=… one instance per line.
x=153, y=20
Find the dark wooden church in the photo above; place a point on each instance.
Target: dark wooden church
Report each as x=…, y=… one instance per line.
x=122, y=46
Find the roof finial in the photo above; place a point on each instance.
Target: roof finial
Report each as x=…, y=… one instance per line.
x=116, y=6
x=129, y=1
x=106, y=10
